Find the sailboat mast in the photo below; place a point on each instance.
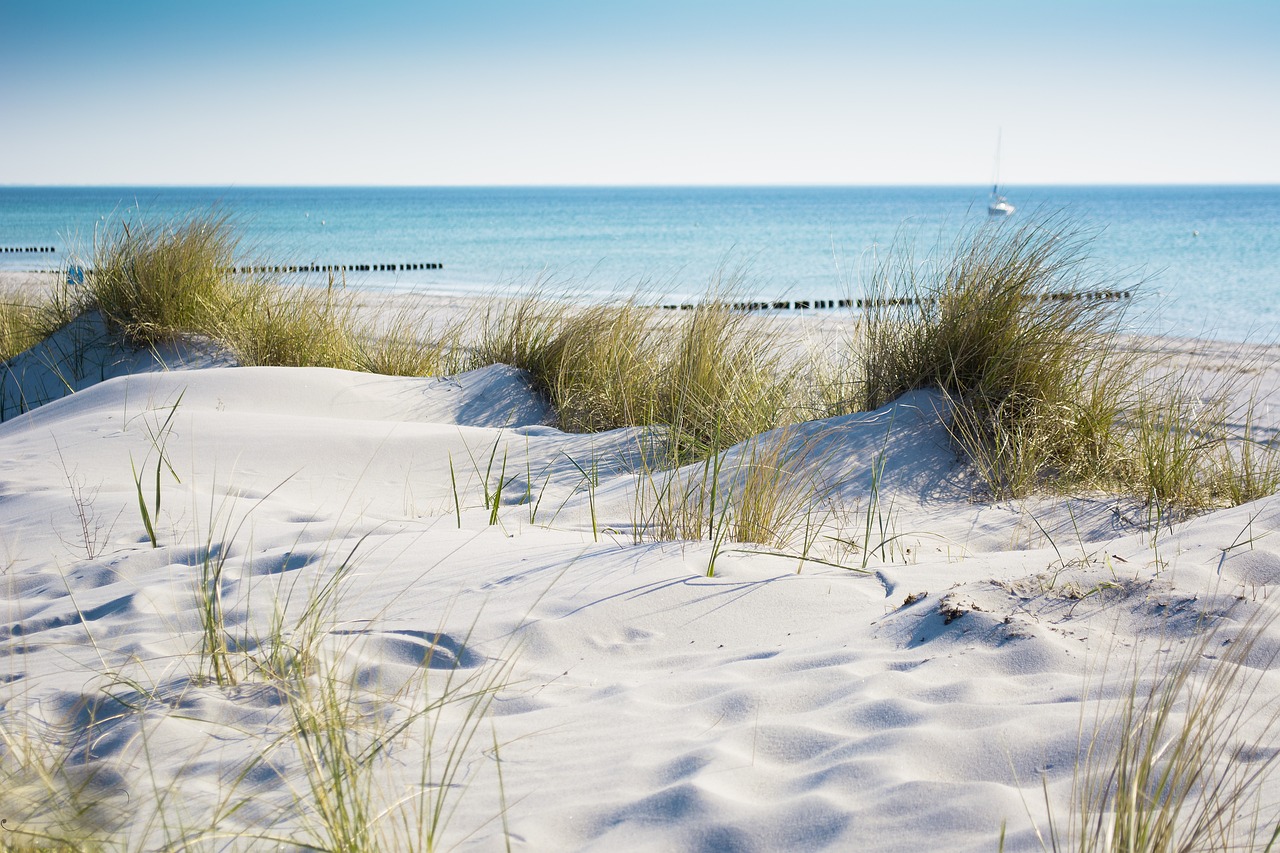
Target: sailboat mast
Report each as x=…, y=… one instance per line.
x=995, y=170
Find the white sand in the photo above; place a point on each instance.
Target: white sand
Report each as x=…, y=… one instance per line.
x=640, y=704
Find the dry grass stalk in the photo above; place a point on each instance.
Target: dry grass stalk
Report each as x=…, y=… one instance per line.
x=1174, y=770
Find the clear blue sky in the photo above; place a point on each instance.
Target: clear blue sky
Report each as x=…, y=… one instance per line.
x=657, y=92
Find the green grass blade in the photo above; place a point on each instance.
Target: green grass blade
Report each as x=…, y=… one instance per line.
x=142, y=505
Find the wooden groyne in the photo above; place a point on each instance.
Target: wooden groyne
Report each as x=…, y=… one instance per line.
x=301, y=268
x=275, y=268
x=892, y=302
x=27, y=250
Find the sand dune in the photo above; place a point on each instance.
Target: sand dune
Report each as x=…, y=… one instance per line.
x=907, y=689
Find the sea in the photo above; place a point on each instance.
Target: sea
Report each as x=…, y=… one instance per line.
x=1201, y=261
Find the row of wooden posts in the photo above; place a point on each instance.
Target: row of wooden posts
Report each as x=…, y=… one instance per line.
x=889, y=302
x=75, y=274
x=276, y=268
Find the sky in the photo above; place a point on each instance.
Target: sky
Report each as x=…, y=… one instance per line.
x=662, y=92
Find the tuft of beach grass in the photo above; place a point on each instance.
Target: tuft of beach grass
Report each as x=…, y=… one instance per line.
x=706, y=374
x=1048, y=393
x=20, y=326
x=1183, y=763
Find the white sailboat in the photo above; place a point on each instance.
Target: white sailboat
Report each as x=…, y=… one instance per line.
x=998, y=205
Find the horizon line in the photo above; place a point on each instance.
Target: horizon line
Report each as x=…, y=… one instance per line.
x=799, y=185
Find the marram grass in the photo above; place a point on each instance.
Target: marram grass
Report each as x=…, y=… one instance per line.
x=1048, y=393
x=20, y=324
x=154, y=281
x=706, y=374
x=1183, y=763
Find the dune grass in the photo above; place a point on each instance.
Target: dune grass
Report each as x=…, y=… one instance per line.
x=154, y=282
x=20, y=323
x=778, y=494
x=157, y=281
x=1047, y=393
x=346, y=753
x=1182, y=765
x=1001, y=324
x=279, y=326
x=705, y=374
x=1009, y=322
x=349, y=745
x=770, y=492
x=994, y=314
x=409, y=341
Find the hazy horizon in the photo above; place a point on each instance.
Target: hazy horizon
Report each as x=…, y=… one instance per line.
x=655, y=186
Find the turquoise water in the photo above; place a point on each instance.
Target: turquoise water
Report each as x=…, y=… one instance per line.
x=1209, y=257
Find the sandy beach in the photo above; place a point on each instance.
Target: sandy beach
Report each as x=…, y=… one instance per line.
x=714, y=427
x=496, y=656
